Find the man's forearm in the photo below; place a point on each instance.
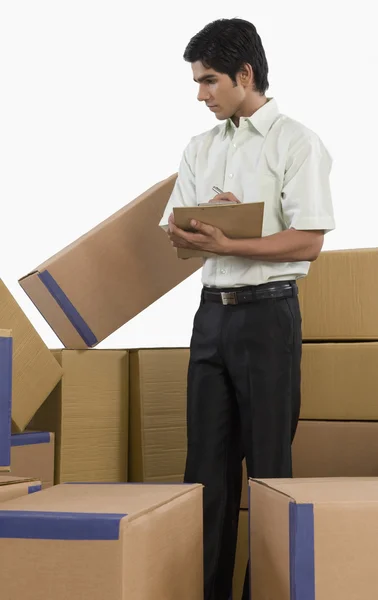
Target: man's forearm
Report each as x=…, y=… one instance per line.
x=286, y=246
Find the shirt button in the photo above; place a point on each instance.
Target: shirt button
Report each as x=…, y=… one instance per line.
x=231, y=175
x=234, y=145
x=223, y=271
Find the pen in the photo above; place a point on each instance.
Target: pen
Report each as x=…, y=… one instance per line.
x=217, y=189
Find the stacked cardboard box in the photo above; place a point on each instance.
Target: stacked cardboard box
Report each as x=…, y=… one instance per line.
x=314, y=538
x=337, y=435
x=134, y=542
x=157, y=435
x=339, y=368
x=88, y=414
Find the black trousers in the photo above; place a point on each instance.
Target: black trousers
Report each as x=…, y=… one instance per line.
x=243, y=401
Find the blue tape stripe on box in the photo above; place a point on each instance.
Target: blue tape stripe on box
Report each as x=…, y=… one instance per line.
x=29, y=438
x=20, y=524
x=6, y=349
x=302, y=555
x=68, y=308
x=34, y=488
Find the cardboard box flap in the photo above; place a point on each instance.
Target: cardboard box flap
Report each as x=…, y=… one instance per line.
x=325, y=490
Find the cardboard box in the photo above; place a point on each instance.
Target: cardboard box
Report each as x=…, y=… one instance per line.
x=314, y=539
x=109, y=275
x=335, y=449
x=331, y=449
x=32, y=455
x=244, y=502
x=157, y=433
x=35, y=371
x=340, y=381
x=119, y=542
x=338, y=297
x=6, y=355
x=88, y=412
x=13, y=487
x=243, y=220
x=242, y=556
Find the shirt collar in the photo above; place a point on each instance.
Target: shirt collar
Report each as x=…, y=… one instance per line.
x=262, y=119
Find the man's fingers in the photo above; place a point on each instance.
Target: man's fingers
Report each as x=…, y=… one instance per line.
x=171, y=221
x=225, y=197
x=202, y=227
x=176, y=230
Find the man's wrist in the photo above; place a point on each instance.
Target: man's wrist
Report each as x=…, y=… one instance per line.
x=239, y=247
x=229, y=247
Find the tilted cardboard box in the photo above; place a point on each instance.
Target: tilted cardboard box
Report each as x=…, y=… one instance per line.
x=109, y=275
x=35, y=370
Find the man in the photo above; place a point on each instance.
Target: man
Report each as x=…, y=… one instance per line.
x=245, y=354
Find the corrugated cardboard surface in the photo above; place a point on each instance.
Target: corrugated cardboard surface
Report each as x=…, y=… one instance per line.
x=317, y=537
x=336, y=449
x=157, y=436
x=88, y=412
x=146, y=543
x=12, y=487
x=32, y=455
x=110, y=274
x=6, y=354
x=338, y=297
x=242, y=555
x=331, y=449
x=340, y=381
x=35, y=371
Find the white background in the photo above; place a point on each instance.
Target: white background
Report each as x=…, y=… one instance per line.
x=97, y=104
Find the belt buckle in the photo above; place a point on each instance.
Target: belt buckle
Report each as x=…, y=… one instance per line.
x=229, y=298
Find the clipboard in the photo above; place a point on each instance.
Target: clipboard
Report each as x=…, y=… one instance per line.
x=237, y=221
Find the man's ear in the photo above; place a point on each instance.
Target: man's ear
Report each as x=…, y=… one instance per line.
x=245, y=76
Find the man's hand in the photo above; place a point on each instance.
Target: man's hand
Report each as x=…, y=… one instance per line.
x=224, y=197
x=206, y=237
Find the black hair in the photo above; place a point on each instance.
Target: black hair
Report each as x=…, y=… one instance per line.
x=226, y=45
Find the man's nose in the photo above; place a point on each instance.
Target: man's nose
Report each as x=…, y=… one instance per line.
x=203, y=94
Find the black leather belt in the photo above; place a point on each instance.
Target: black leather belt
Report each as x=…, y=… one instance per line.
x=243, y=295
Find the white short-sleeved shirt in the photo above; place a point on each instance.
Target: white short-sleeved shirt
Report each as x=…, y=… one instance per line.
x=270, y=158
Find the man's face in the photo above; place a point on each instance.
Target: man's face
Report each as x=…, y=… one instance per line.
x=218, y=91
